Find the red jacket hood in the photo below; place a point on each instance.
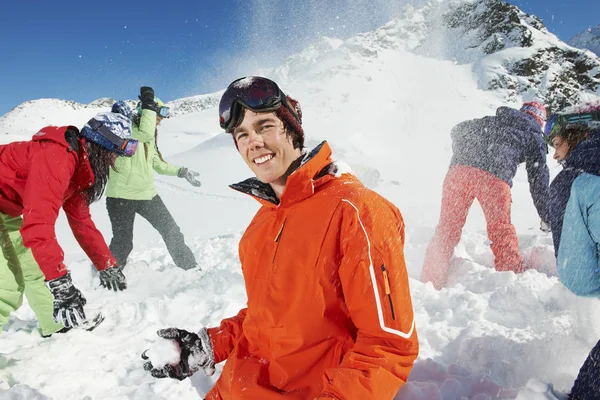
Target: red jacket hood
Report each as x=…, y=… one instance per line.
x=56, y=134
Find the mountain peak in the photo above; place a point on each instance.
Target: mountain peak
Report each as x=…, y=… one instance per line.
x=589, y=39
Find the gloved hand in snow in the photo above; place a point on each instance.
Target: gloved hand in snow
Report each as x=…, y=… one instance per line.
x=195, y=354
x=68, y=301
x=545, y=226
x=113, y=278
x=190, y=176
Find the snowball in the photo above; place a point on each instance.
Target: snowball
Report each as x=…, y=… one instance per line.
x=163, y=352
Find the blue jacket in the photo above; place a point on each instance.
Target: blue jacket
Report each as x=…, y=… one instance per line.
x=498, y=144
x=585, y=157
x=577, y=261
x=575, y=213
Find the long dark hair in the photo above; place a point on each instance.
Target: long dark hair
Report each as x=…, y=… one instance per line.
x=101, y=160
x=573, y=135
x=136, y=121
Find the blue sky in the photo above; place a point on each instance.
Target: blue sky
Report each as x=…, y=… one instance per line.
x=82, y=51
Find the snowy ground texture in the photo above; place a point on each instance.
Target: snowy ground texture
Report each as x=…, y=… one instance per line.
x=489, y=335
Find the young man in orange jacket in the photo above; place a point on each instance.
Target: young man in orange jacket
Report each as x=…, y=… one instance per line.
x=329, y=312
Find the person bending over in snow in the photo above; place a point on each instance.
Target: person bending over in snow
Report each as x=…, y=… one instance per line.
x=131, y=190
x=329, y=312
x=487, y=152
x=58, y=167
x=575, y=218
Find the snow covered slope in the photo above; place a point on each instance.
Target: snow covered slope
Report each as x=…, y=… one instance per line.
x=386, y=101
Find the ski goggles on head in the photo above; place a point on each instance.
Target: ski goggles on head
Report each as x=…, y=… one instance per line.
x=163, y=112
x=254, y=93
x=557, y=122
x=102, y=135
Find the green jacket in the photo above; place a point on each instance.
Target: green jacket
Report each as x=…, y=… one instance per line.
x=133, y=177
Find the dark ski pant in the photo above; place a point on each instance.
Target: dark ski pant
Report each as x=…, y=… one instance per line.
x=122, y=215
x=587, y=384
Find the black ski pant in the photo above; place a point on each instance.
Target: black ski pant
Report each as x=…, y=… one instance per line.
x=122, y=214
x=587, y=384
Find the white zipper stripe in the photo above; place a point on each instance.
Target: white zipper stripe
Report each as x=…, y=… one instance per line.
x=375, y=289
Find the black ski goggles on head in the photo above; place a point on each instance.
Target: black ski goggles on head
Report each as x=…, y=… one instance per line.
x=255, y=93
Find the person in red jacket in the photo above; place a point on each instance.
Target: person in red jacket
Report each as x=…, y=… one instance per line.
x=58, y=167
x=329, y=312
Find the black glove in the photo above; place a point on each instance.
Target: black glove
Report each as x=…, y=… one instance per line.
x=545, y=226
x=189, y=176
x=68, y=301
x=113, y=278
x=195, y=353
x=147, y=98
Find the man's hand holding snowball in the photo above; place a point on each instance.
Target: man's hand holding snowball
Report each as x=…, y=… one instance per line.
x=194, y=353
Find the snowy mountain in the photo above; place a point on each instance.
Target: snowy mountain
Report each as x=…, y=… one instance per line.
x=192, y=104
x=385, y=101
x=26, y=118
x=589, y=39
x=509, y=52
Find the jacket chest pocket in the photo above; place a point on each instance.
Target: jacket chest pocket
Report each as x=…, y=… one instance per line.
x=387, y=292
x=277, y=240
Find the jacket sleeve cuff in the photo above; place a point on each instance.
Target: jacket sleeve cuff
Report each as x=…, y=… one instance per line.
x=110, y=263
x=219, y=354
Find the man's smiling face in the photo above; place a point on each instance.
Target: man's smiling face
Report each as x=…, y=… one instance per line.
x=265, y=147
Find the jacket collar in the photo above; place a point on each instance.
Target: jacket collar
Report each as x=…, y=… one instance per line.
x=518, y=118
x=315, y=169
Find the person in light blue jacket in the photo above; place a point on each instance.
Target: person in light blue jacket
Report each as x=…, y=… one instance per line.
x=574, y=199
x=575, y=219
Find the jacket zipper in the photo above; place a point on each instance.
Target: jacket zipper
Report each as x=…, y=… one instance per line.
x=277, y=239
x=388, y=291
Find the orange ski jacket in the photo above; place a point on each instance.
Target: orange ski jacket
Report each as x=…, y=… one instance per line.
x=329, y=312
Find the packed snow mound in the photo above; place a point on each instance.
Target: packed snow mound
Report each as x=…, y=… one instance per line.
x=589, y=39
x=484, y=336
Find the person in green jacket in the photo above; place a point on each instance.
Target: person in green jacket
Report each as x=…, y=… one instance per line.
x=131, y=190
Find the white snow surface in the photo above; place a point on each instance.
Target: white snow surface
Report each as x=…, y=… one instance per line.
x=488, y=335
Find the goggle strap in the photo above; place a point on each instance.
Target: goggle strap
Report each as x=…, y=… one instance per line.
x=579, y=118
x=289, y=107
x=107, y=133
